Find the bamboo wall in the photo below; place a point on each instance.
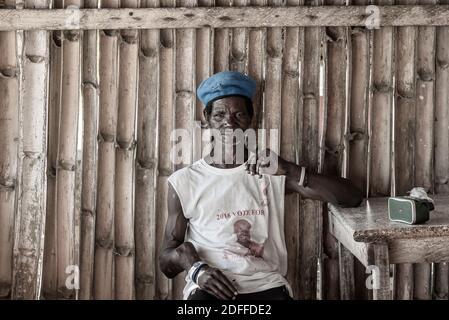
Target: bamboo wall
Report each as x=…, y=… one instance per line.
x=367, y=104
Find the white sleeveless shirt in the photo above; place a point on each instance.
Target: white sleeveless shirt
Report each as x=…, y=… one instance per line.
x=236, y=224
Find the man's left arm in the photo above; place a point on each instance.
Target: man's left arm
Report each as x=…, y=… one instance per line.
x=308, y=184
x=321, y=187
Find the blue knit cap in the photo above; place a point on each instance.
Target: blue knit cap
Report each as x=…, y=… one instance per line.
x=226, y=83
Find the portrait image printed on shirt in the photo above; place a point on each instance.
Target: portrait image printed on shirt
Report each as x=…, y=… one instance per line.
x=248, y=232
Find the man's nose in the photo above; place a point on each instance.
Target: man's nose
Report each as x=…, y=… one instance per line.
x=229, y=122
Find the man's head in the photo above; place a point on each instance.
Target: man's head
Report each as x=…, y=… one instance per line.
x=227, y=97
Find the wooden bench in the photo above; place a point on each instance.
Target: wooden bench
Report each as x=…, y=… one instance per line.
x=373, y=239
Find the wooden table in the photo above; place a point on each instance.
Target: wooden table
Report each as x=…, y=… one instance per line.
x=372, y=238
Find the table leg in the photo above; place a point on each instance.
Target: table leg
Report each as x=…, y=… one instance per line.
x=381, y=274
x=347, y=277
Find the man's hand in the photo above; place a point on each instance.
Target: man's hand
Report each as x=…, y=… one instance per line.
x=215, y=282
x=266, y=162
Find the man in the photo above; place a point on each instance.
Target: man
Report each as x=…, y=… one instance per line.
x=225, y=223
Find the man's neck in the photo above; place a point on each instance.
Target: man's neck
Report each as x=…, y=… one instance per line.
x=229, y=157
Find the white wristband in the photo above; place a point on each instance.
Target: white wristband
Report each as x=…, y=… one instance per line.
x=199, y=274
x=194, y=269
x=302, y=177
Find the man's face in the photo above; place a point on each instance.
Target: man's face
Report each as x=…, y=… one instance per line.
x=229, y=113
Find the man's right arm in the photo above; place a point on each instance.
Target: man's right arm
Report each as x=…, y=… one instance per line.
x=177, y=256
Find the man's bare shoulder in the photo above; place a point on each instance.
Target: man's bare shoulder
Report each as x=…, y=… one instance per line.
x=185, y=171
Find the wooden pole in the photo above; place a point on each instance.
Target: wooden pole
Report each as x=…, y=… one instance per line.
x=441, y=281
x=239, y=43
x=185, y=100
x=221, y=43
x=347, y=273
x=31, y=205
x=256, y=56
x=405, y=107
x=424, y=135
x=442, y=113
x=146, y=161
x=104, y=232
x=66, y=160
x=223, y=16
x=359, y=99
x=78, y=185
x=204, y=53
x=49, y=282
x=425, y=101
x=272, y=115
x=441, y=151
x=291, y=105
x=359, y=62
x=165, y=127
x=9, y=131
x=347, y=261
x=336, y=92
x=273, y=83
x=404, y=127
x=381, y=109
x=379, y=258
x=336, y=64
x=124, y=157
x=310, y=225
x=441, y=109
x=90, y=87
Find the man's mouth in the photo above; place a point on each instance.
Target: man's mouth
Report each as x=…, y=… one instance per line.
x=228, y=130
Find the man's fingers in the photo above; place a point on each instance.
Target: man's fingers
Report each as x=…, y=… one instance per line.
x=222, y=287
x=251, y=164
x=226, y=282
x=217, y=292
x=261, y=154
x=258, y=171
x=267, y=162
x=251, y=169
x=267, y=167
x=264, y=163
x=218, y=284
x=231, y=286
x=214, y=292
x=256, y=164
